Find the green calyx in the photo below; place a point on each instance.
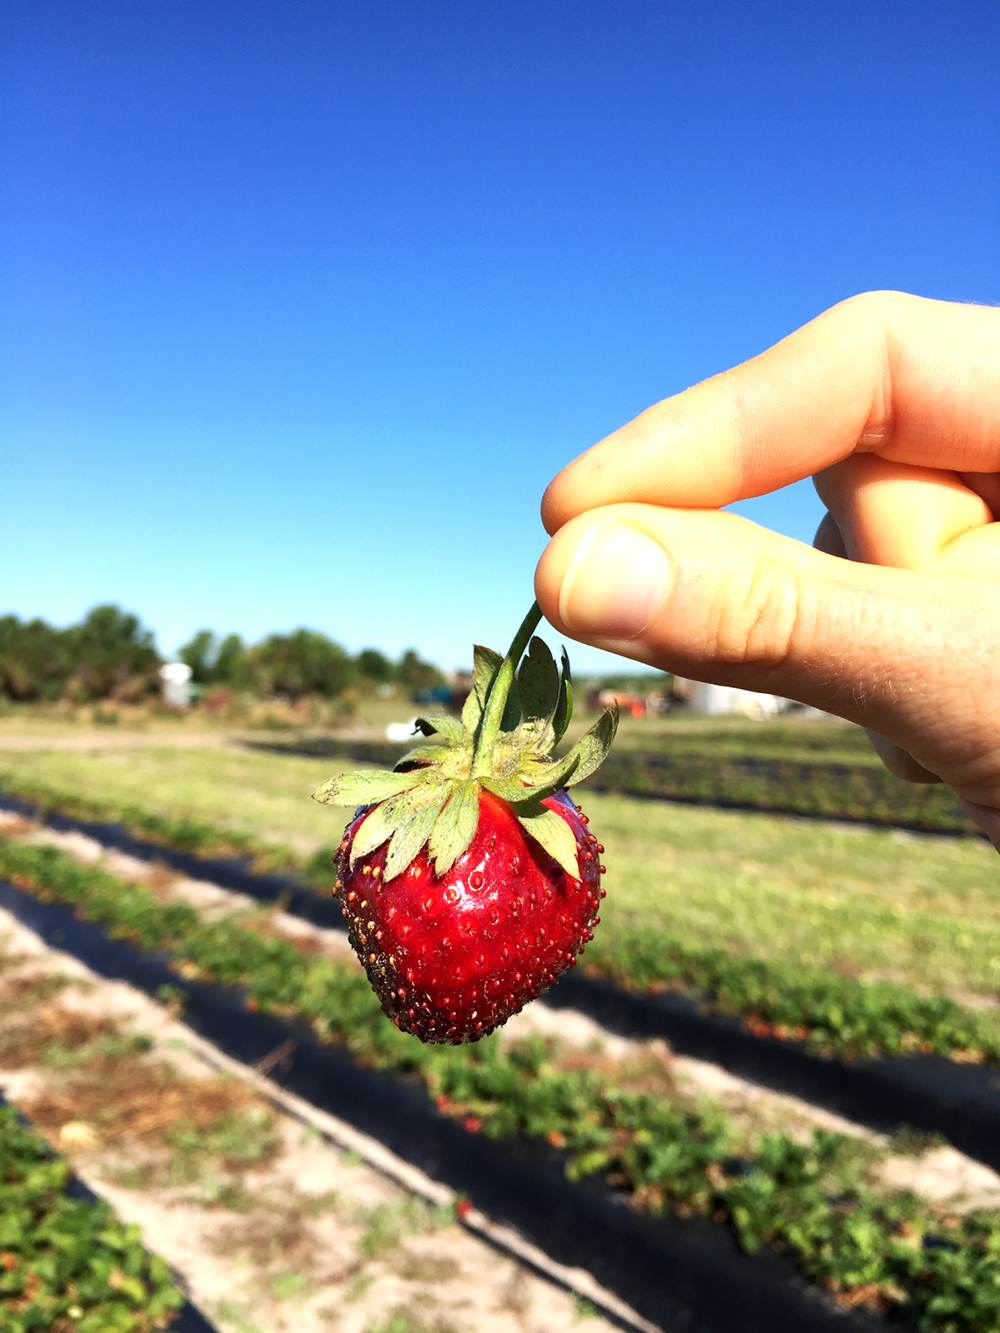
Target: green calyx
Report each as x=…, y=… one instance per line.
x=516, y=713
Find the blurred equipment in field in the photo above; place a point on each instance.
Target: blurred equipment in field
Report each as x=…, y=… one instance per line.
x=176, y=678
x=451, y=693
x=655, y=704
x=707, y=700
x=401, y=731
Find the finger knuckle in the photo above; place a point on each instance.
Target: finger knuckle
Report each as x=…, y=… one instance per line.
x=757, y=616
x=876, y=307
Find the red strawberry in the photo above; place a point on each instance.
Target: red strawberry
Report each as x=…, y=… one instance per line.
x=451, y=956
x=468, y=878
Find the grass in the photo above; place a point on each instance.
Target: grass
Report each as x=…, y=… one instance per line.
x=870, y=903
x=254, y=792
x=808, y=738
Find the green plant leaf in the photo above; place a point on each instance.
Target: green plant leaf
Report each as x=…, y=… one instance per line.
x=366, y=787
x=564, y=706
x=544, y=780
x=449, y=727
x=592, y=747
x=486, y=664
x=553, y=833
x=455, y=827
x=422, y=754
x=511, y=716
x=380, y=825
x=414, y=829
x=508, y=789
x=538, y=682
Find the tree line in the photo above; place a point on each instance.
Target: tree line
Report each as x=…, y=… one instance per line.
x=111, y=655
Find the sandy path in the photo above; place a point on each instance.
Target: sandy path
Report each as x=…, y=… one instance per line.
x=308, y=1237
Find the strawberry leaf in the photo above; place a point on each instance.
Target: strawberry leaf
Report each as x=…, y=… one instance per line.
x=564, y=706
x=592, y=748
x=449, y=727
x=553, y=833
x=508, y=789
x=380, y=825
x=511, y=710
x=423, y=754
x=538, y=688
x=534, y=785
x=455, y=828
x=366, y=787
x=485, y=667
x=414, y=830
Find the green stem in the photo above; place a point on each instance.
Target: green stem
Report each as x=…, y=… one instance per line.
x=496, y=700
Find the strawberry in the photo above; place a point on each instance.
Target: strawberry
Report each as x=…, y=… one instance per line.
x=468, y=878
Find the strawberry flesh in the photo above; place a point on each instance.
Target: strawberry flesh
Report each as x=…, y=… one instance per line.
x=453, y=956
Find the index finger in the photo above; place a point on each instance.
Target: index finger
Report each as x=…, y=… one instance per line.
x=913, y=380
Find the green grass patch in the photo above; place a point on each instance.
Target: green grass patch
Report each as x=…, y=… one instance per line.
x=811, y=1200
x=869, y=904
x=175, y=828
x=65, y=1264
x=860, y=792
x=260, y=798
x=790, y=737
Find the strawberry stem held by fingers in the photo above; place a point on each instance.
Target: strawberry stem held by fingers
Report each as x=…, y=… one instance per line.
x=468, y=877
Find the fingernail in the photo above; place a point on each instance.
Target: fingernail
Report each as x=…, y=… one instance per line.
x=615, y=582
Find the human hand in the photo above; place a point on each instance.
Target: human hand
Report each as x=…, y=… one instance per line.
x=892, y=403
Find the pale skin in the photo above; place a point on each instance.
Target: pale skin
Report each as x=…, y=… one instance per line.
x=892, y=619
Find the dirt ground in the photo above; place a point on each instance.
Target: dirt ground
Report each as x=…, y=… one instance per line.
x=269, y=1225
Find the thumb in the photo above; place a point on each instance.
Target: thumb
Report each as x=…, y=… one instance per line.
x=710, y=595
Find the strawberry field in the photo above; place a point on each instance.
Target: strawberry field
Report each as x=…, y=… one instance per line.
x=816, y=1201
x=668, y=1155
x=845, y=786
x=267, y=1219
x=67, y=1262
x=850, y=1011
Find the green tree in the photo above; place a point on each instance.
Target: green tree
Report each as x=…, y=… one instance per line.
x=231, y=662
x=374, y=665
x=214, y=661
x=416, y=674
x=35, y=660
x=113, y=654
x=300, y=663
x=200, y=653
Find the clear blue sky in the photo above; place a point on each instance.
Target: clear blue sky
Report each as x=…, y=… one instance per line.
x=303, y=303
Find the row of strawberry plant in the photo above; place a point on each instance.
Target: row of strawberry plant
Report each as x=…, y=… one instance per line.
x=834, y=1015
x=865, y=792
x=180, y=832
x=66, y=1263
x=810, y=1200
